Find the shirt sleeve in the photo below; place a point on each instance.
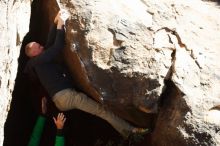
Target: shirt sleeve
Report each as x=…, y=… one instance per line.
x=60, y=140
x=37, y=132
x=51, y=36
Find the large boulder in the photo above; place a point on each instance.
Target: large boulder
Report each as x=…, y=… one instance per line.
x=125, y=50
x=110, y=47
x=14, y=24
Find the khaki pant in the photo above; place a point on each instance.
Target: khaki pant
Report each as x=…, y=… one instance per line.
x=68, y=99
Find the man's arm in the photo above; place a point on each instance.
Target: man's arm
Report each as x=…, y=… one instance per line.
x=57, y=46
x=51, y=36
x=49, y=54
x=52, y=33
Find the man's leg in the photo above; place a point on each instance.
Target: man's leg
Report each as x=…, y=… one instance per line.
x=69, y=99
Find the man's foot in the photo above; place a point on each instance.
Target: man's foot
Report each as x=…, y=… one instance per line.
x=137, y=135
x=135, y=132
x=140, y=131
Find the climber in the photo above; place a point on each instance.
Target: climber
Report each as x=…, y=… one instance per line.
x=39, y=126
x=55, y=78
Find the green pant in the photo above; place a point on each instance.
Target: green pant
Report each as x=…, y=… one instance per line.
x=69, y=99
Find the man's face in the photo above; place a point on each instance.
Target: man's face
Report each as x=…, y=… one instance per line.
x=35, y=49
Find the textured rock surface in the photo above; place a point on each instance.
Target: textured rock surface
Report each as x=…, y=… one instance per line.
x=127, y=49
x=186, y=115
x=120, y=52
x=14, y=24
x=117, y=55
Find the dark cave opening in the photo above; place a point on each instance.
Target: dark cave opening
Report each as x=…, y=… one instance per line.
x=81, y=129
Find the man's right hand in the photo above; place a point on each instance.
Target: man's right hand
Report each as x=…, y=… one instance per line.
x=60, y=22
x=61, y=18
x=56, y=18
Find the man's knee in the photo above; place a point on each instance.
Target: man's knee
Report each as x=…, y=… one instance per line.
x=79, y=98
x=60, y=104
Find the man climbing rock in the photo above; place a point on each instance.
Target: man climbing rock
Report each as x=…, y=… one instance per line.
x=55, y=78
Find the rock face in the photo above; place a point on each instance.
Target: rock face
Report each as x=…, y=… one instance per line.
x=14, y=24
x=186, y=114
x=136, y=57
x=125, y=50
x=117, y=56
